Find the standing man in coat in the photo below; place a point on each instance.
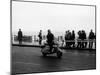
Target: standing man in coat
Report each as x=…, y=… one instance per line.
x=20, y=35
x=91, y=38
x=40, y=37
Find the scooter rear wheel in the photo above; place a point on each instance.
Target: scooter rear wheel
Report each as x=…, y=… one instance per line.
x=59, y=54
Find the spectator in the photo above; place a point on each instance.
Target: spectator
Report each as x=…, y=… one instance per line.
x=34, y=38
x=66, y=39
x=40, y=37
x=58, y=38
x=62, y=40
x=69, y=39
x=79, y=39
x=95, y=39
x=20, y=35
x=85, y=42
x=73, y=38
x=91, y=37
x=83, y=37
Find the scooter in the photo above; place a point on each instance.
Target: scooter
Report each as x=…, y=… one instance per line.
x=55, y=50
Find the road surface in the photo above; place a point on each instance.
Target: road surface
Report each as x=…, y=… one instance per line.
x=30, y=60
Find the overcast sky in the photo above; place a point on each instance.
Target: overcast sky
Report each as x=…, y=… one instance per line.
x=32, y=17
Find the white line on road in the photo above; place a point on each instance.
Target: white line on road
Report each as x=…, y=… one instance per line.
x=27, y=63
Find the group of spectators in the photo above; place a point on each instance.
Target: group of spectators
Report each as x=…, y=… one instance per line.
x=69, y=38
x=82, y=43
x=82, y=40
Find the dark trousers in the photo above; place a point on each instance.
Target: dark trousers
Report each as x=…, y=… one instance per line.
x=40, y=42
x=20, y=42
x=82, y=43
x=67, y=44
x=79, y=45
x=90, y=44
x=51, y=45
x=73, y=44
x=85, y=44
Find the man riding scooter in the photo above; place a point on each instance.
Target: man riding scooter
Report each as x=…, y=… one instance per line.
x=51, y=47
x=50, y=40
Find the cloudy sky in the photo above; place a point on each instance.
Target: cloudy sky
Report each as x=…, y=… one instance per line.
x=32, y=17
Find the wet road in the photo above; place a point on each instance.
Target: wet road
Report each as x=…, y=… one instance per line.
x=30, y=60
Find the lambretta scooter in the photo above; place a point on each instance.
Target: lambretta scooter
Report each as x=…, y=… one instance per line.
x=55, y=50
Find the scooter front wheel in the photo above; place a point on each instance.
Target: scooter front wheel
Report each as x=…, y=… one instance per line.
x=44, y=54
